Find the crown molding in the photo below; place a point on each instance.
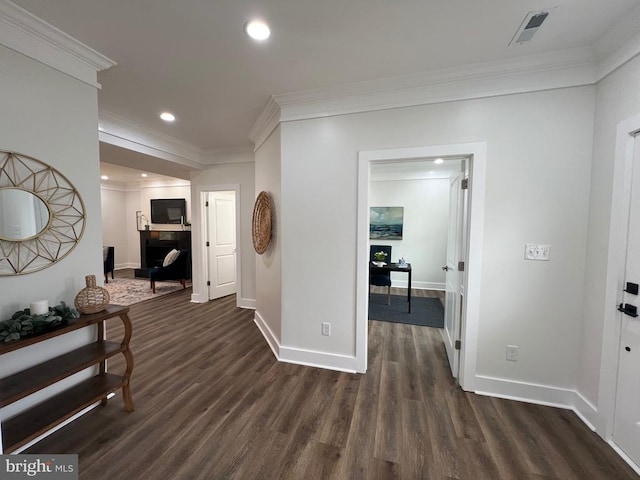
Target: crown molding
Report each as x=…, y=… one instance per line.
x=566, y=68
x=226, y=155
x=266, y=122
x=122, y=132
x=625, y=53
x=119, y=186
x=618, y=45
x=27, y=34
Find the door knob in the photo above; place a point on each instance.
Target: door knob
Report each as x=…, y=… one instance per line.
x=446, y=268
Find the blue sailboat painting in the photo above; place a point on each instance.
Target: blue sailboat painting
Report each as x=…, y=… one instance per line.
x=385, y=223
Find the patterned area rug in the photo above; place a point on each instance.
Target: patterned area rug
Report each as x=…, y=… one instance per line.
x=127, y=291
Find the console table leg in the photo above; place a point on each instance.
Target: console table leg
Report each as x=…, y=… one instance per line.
x=128, y=400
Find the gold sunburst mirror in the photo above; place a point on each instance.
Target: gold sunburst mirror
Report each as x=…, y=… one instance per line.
x=42, y=216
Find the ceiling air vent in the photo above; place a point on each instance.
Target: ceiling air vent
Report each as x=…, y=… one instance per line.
x=531, y=24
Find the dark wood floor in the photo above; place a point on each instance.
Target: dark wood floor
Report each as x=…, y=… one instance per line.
x=212, y=403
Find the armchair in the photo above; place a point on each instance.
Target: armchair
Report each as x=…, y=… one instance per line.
x=380, y=277
x=177, y=270
x=108, y=255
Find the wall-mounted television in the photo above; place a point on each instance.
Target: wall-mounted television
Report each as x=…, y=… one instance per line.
x=168, y=210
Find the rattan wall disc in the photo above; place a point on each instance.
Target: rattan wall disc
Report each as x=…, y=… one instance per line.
x=261, y=225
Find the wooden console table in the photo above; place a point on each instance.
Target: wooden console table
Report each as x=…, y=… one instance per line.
x=29, y=424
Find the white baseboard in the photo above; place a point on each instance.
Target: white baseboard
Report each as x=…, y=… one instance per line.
x=625, y=457
x=249, y=303
x=586, y=410
x=198, y=298
x=309, y=358
x=122, y=266
x=418, y=285
x=524, y=391
x=56, y=428
x=540, y=395
x=242, y=302
x=550, y=396
x=268, y=335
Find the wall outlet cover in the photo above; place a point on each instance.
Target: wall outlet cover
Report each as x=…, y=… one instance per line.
x=326, y=329
x=512, y=353
x=536, y=251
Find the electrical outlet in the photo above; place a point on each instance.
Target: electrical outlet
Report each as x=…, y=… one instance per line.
x=534, y=251
x=512, y=353
x=326, y=329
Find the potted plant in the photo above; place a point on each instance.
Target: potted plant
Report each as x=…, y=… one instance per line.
x=380, y=258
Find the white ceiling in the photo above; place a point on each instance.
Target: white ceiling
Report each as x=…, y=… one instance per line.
x=119, y=163
x=415, y=169
x=126, y=175
x=191, y=56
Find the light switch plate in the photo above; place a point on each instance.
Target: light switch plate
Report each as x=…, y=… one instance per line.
x=535, y=251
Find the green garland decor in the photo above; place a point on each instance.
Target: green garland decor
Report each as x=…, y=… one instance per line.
x=23, y=324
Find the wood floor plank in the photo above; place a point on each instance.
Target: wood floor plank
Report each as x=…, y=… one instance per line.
x=213, y=403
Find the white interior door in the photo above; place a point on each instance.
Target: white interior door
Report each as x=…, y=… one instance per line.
x=626, y=427
x=454, y=278
x=221, y=238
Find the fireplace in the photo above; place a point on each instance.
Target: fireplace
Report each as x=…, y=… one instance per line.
x=154, y=246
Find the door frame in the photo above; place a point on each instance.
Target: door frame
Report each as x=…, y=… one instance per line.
x=616, y=260
x=198, y=239
x=476, y=153
x=207, y=234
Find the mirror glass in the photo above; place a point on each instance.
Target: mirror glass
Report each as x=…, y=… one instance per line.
x=23, y=215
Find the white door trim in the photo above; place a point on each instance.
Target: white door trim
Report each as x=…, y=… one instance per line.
x=198, y=238
x=477, y=154
x=616, y=258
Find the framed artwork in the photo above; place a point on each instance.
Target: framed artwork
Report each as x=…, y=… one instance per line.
x=385, y=223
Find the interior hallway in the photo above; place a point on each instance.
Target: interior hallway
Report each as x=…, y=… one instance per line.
x=212, y=403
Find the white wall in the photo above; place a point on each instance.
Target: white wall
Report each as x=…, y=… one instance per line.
x=425, y=224
x=119, y=205
x=537, y=187
x=226, y=174
x=53, y=118
x=617, y=99
x=162, y=189
x=132, y=205
x=269, y=280
x=115, y=224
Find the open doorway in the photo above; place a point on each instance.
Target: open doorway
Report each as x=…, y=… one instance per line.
x=215, y=243
x=467, y=313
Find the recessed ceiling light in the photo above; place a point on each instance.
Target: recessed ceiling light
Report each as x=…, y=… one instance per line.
x=438, y=161
x=257, y=29
x=144, y=175
x=104, y=177
x=167, y=117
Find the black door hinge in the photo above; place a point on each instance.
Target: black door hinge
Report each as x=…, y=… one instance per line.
x=206, y=204
x=465, y=184
x=207, y=244
x=628, y=309
x=458, y=345
x=461, y=266
x=208, y=283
